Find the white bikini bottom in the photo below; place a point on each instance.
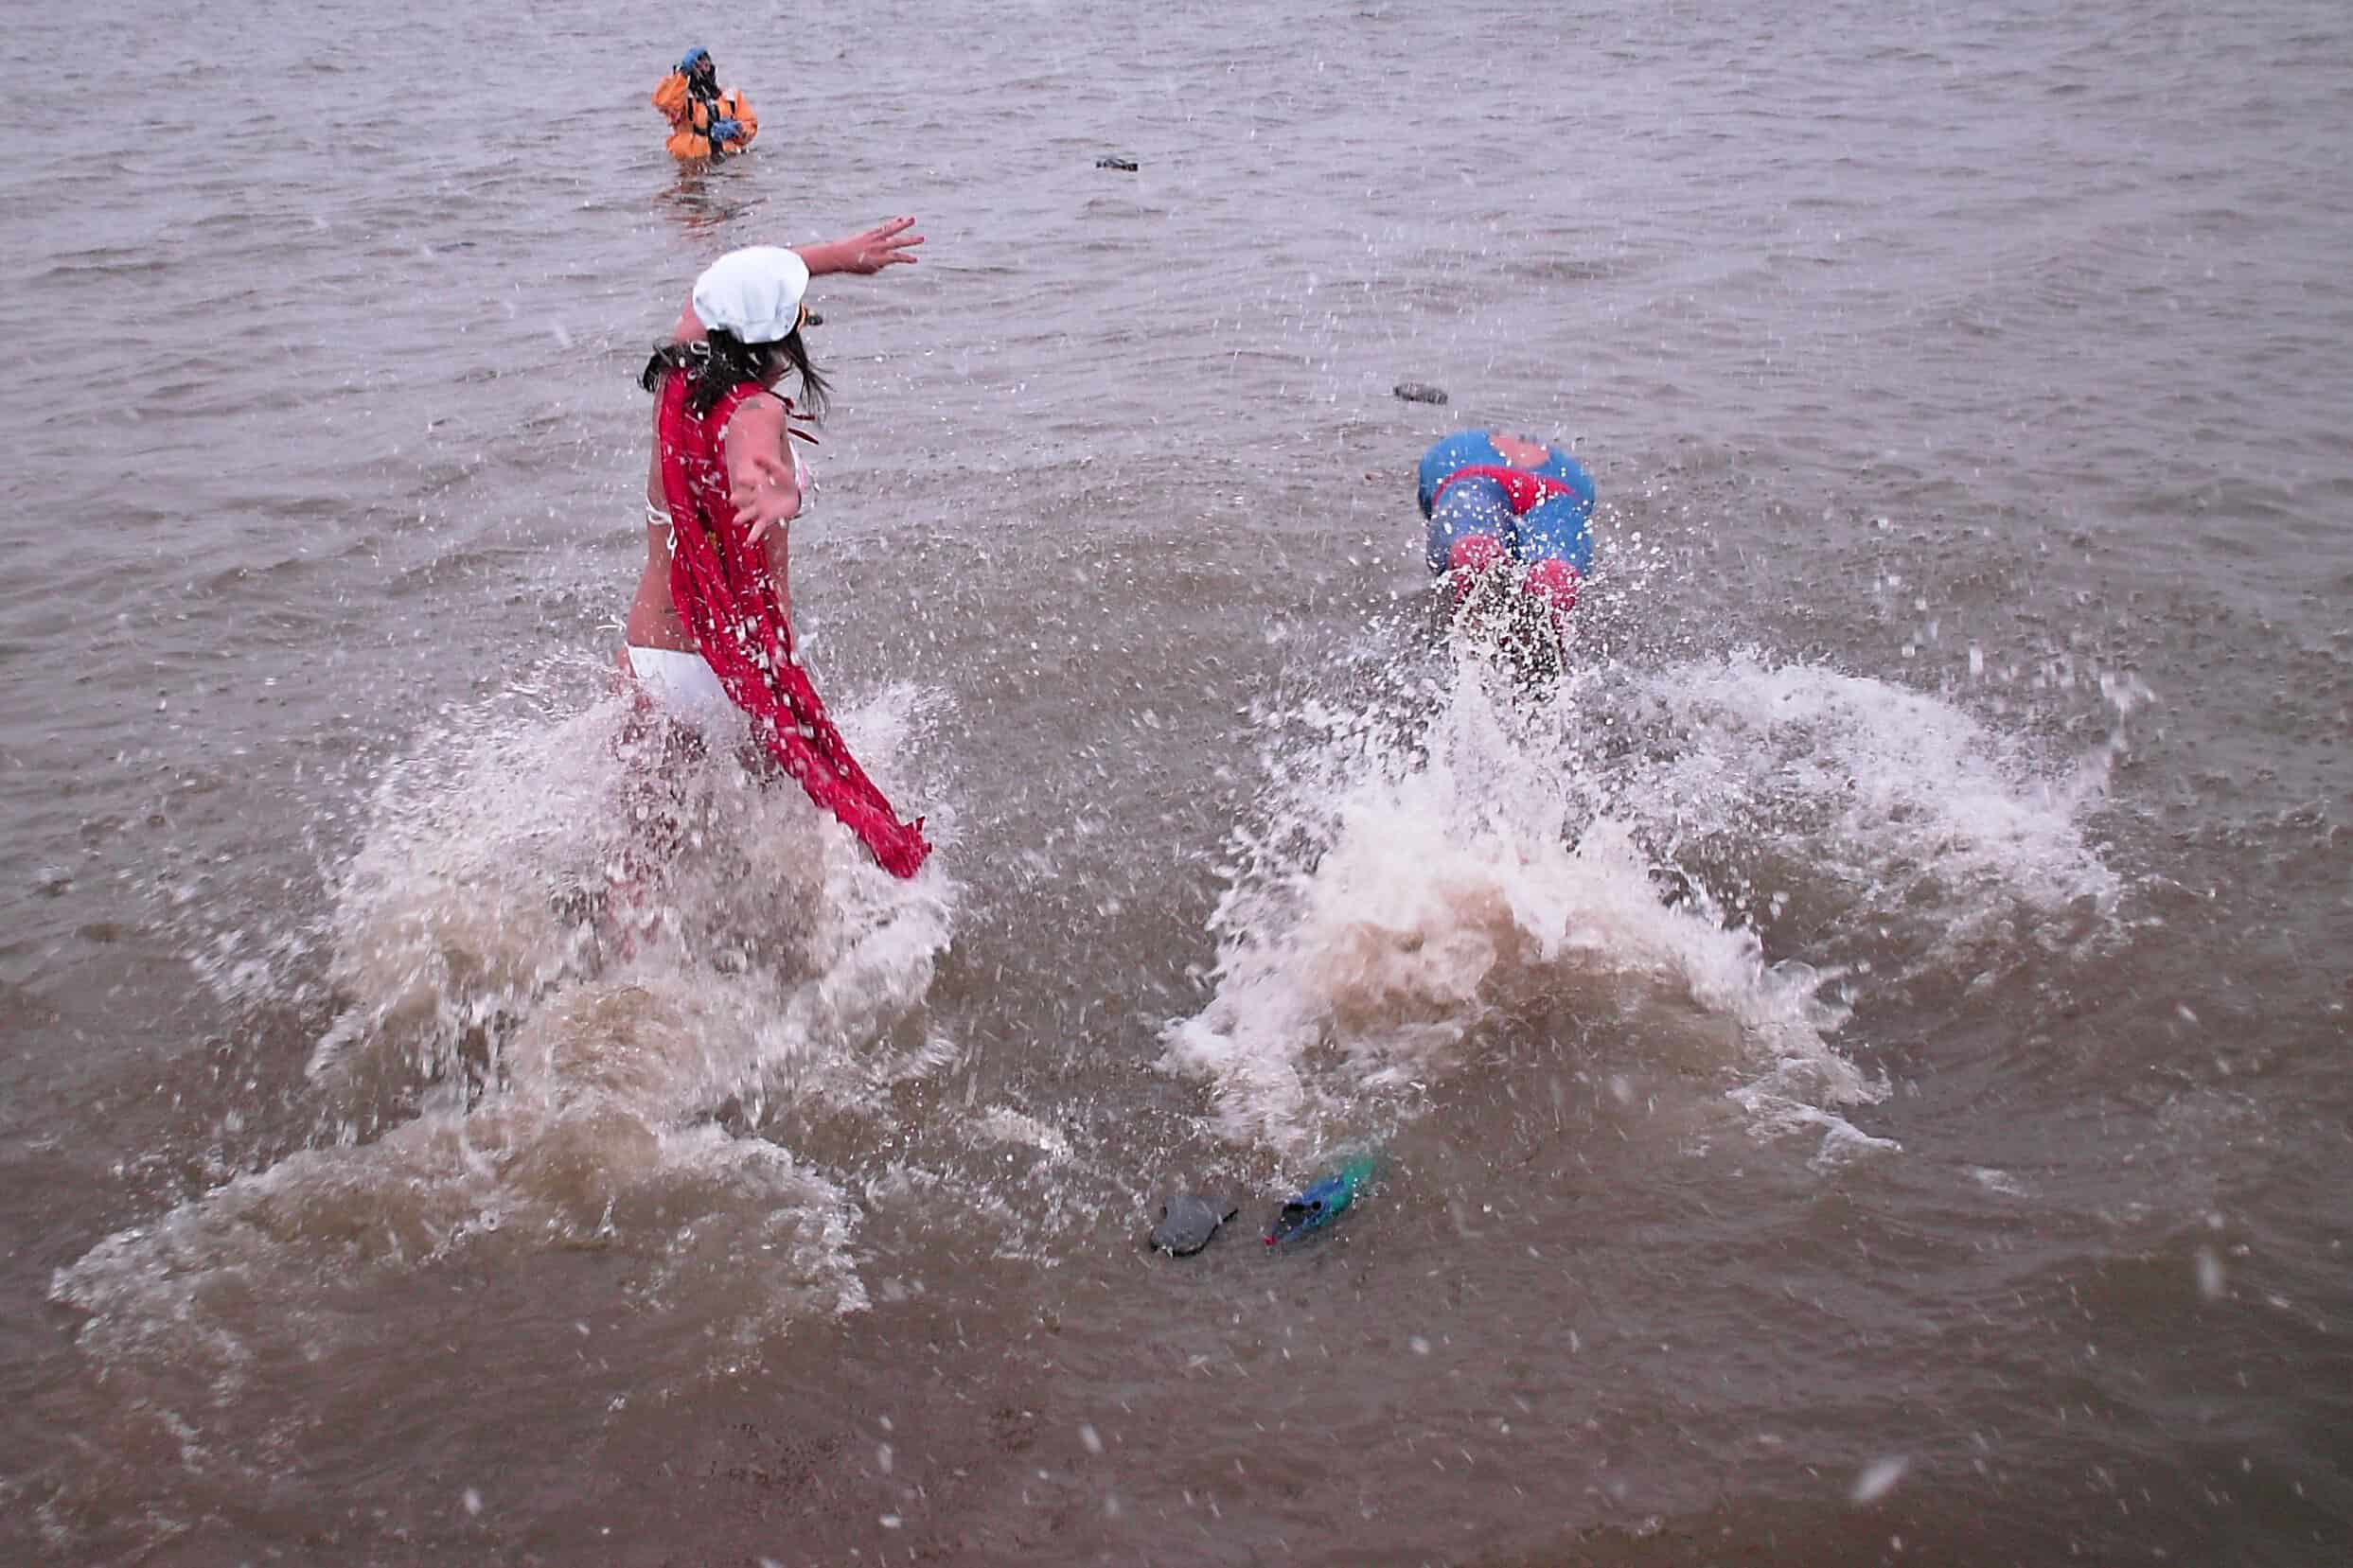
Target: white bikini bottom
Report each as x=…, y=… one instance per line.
x=684, y=686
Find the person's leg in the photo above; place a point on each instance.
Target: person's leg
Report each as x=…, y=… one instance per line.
x=1556, y=541
x=1471, y=530
x=678, y=703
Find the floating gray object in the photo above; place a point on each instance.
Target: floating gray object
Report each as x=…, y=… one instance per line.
x=1420, y=392
x=813, y=319
x=1188, y=1221
x=1111, y=161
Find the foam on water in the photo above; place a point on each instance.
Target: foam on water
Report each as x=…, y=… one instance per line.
x=1426, y=865
x=1912, y=810
x=577, y=964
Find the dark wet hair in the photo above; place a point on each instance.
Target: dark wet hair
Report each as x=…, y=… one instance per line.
x=723, y=361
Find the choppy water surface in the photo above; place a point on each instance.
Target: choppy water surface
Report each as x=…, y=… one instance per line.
x=1859, y=1074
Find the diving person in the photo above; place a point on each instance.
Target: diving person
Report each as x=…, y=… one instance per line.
x=1499, y=503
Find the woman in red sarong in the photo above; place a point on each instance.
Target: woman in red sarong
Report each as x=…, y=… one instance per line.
x=711, y=629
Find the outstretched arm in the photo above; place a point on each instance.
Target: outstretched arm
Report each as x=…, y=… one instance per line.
x=887, y=244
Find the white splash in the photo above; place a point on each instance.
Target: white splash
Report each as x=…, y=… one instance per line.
x=1418, y=872
x=1917, y=808
x=560, y=950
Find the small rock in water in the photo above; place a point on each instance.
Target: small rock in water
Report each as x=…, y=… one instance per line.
x=52, y=880
x=1188, y=1221
x=1420, y=392
x=1112, y=160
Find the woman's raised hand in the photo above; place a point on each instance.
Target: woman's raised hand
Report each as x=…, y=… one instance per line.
x=887, y=244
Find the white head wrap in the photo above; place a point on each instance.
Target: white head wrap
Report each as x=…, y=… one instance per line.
x=754, y=294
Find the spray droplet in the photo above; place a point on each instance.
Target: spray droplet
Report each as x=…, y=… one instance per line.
x=1879, y=1478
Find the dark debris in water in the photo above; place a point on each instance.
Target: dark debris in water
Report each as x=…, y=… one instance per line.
x=1420, y=392
x=1112, y=160
x=1188, y=1221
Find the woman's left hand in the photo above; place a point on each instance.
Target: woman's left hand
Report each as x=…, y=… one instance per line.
x=886, y=244
x=771, y=495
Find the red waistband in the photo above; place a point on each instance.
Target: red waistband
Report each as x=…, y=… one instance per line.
x=1526, y=490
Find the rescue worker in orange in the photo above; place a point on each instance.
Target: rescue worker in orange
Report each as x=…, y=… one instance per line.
x=706, y=124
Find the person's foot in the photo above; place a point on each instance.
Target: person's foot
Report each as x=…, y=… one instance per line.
x=1473, y=556
x=1555, y=582
x=1529, y=635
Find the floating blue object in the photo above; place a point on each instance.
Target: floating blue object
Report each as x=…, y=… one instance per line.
x=1322, y=1203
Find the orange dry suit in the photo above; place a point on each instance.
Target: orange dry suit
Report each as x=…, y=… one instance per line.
x=691, y=118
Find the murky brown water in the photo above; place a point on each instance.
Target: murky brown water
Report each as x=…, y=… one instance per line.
x=1862, y=1075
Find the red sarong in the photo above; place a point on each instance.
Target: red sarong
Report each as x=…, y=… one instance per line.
x=726, y=597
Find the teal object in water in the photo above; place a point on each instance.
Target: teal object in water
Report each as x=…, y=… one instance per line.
x=1322, y=1203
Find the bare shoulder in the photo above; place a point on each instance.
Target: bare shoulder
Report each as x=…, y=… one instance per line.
x=762, y=414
